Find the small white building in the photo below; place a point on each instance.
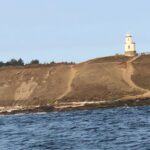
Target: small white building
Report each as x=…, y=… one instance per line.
x=130, y=48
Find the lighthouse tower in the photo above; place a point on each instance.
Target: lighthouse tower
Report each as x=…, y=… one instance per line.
x=130, y=49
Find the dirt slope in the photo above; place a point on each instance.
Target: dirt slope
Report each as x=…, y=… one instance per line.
x=142, y=72
x=97, y=80
x=34, y=85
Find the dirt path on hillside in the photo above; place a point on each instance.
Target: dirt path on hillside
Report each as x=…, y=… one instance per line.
x=127, y=76
x=73, y=72
x=128, y=72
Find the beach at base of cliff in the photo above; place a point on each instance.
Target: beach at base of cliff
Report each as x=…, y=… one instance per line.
x=72, y=106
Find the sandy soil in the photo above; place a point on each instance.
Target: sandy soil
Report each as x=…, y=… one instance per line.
x=72, y=74
x=127, y=76
x=93, y=82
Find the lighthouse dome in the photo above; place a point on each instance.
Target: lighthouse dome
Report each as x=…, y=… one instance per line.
x=128, y=35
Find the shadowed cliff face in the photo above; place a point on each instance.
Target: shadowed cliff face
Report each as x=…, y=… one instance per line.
x=99, y=79
x=142, y=72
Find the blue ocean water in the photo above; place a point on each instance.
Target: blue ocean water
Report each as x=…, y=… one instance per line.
x=114, y=129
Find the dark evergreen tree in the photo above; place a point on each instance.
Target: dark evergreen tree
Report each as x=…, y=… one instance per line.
x=1, y=64
x=12, y=62
x=35, y=61
x=52, y=62
x=20, y=62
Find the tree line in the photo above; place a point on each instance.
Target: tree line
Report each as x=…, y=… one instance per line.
x=20, y=62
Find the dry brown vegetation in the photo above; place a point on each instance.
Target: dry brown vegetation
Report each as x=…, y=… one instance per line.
x=142, y=72
x=97, y=80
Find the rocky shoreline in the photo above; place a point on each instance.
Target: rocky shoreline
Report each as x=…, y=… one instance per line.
x=85, y=106
x=112, y=81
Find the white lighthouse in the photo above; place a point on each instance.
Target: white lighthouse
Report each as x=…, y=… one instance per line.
x=130, y=49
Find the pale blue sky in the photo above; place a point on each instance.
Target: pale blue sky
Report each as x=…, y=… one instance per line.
x=71, y=30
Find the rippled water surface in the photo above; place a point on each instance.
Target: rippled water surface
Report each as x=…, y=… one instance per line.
x=116, y=128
